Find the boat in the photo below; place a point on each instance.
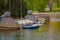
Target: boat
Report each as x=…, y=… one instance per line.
x=9, y=28
x=8, y=23
x=26, y=25
x=34, y=26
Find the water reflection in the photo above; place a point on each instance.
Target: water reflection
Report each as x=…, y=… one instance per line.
x=8, y=34
x=54, y=31
x=45, y=32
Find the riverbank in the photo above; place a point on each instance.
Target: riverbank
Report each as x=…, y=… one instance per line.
x=54, y=16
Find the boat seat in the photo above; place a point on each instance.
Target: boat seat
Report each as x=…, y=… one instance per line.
x=8, y=22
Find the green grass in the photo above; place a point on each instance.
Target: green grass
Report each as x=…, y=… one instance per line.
x=55, y=8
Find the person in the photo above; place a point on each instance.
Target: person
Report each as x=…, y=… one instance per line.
x=30, y=16
x=6, y=14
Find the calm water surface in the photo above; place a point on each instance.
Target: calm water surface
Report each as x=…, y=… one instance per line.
x=45, y=32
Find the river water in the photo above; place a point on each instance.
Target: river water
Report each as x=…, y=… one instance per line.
x=45, y=32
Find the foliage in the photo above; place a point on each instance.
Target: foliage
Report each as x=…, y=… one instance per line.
x=2, y=6
x=36, y=5
x=15, y=7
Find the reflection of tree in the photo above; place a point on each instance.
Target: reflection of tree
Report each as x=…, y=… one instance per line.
x=17, y=36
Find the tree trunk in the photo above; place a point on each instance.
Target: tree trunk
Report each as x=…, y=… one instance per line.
x=58, y=3
x=50, y=4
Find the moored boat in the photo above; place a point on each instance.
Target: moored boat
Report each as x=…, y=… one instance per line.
x=27, y=25
x=30, y=26
x=8, y=23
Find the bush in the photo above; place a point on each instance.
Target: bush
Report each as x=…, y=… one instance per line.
x=41, y=6
x=36, y=5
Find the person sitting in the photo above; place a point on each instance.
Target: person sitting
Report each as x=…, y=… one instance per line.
x=6, y=14
x=30, y=16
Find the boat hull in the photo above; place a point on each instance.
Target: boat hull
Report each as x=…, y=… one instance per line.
x=9, y=28
x=30, y=27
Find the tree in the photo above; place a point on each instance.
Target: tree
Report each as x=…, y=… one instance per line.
x=29, y=4
x=50, y=4
x=2, y=7
x=36, y=5
x=16, y=8
x=58, y=3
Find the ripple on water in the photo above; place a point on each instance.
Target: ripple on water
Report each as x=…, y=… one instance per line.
x=39, y=34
